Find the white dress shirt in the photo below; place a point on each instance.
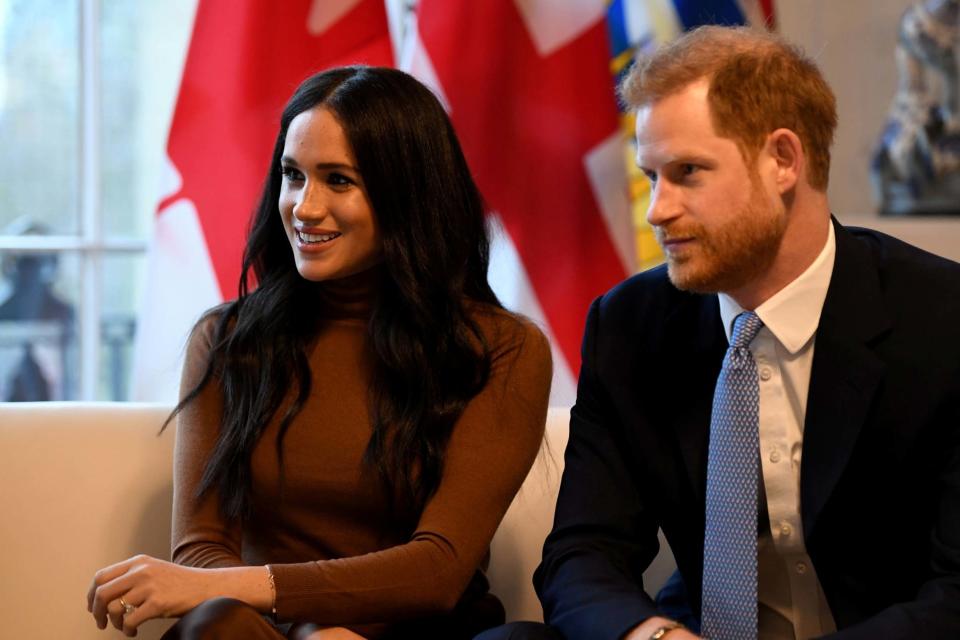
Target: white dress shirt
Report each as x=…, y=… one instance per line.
x=791, y=602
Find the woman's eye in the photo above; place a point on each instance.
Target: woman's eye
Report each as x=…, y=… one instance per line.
x=338, y=180
x=291, y=174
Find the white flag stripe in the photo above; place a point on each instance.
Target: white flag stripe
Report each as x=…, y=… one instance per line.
x=324, y=13
x=170, y=179
x=552, y=25
x=606, y=169
x=510, y=282
x=180, y=285
x=415, y=60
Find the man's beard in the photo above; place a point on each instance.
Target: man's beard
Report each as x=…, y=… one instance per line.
x=731, y=256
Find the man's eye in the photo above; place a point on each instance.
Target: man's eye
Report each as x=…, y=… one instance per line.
x=689, y=169
x=651, y=176
x=291, y=174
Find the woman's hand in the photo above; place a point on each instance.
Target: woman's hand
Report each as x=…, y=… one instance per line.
x=140, y=588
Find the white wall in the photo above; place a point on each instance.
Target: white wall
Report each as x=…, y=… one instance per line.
x=853, y=42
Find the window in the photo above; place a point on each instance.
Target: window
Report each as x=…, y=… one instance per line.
x=87, y=89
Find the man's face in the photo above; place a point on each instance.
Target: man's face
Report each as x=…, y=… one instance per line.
x=719, y=224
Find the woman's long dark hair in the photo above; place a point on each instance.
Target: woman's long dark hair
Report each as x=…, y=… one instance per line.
x=429, y=357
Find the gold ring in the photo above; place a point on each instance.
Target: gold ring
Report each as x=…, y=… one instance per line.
x=127, y=608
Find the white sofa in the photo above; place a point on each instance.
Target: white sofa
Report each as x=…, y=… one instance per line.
x=83, y=485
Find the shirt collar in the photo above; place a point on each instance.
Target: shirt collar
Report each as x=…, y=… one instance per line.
x=793, y=313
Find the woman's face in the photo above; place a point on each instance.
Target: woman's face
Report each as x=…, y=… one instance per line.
x=323, y=202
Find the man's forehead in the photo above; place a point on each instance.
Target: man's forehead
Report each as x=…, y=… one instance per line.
x=676, y=125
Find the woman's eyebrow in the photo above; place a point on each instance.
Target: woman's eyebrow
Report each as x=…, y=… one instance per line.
x=287, y=160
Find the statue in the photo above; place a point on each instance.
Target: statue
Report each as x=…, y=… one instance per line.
x=916, y=168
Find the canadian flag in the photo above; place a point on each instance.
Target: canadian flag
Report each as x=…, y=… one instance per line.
x=529, y=88
x=246, y=57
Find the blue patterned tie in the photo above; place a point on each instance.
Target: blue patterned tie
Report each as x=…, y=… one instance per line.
x=733, y=463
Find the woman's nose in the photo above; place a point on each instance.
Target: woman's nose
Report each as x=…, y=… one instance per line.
x=311, y=205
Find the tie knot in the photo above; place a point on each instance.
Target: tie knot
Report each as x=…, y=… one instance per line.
x=745, y=328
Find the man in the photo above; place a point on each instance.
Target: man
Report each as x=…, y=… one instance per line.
x=782, y=398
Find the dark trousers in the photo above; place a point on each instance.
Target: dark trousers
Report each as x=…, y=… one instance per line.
x=521, y=631
x=226, y=618
x=223, y=618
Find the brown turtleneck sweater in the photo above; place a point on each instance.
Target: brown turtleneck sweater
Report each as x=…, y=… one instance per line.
x=338, y=555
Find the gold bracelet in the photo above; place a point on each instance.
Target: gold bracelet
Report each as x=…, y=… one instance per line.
x=273, y=594
x=665, y=629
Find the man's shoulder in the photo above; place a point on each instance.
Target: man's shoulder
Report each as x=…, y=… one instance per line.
x=902, y=266
x=890, y=285
x=643, y=292
x=644, y=305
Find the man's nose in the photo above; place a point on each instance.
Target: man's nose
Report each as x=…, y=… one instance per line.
x=664, y=206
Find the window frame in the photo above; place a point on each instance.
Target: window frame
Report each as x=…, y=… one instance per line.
x=92, y=245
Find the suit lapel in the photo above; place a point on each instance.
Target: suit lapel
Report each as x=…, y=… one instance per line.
x=693, y=375
x=845, y=373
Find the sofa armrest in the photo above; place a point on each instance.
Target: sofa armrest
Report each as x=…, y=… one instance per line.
x=84, y=485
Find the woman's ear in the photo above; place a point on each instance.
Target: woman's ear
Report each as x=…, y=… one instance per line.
x=785, y=149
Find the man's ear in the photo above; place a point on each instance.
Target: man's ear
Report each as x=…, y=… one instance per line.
x=785, y=149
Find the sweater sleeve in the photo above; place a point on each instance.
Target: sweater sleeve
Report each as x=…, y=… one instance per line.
x=201, y=537
x=490, y=451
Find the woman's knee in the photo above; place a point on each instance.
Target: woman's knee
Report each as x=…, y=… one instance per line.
x=221, y=618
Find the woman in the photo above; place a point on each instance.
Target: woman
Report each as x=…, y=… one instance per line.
x=353, y=429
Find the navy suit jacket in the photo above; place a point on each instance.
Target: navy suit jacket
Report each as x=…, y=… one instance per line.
x=880, y=472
